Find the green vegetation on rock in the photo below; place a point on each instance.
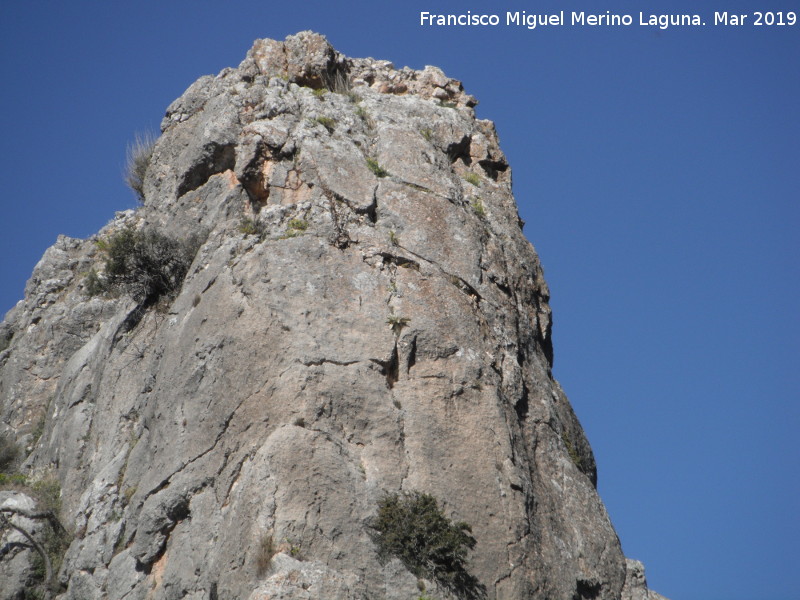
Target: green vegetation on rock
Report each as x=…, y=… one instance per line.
x=146, y=264
x=412, y=527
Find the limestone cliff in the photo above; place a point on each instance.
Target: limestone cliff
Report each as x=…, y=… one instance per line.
x=363, y=317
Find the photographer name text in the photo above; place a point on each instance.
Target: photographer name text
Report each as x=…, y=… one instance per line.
x=609, y=19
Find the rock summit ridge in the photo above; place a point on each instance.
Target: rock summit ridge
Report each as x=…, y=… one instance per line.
x=362, y=318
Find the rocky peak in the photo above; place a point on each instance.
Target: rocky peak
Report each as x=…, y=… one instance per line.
x=358, y=338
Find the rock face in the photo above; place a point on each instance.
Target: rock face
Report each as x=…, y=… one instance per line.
x=365, y=317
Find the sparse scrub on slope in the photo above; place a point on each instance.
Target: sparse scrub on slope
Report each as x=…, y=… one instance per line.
x=138, y=156
x=412, y=528
x=145, y=264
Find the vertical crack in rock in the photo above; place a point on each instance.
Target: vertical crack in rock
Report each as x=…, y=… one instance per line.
x=522, y=406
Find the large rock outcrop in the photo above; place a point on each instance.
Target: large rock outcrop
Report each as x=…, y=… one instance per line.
x=365, y=317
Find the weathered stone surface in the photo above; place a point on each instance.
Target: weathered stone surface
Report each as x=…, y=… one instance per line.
x=381, y=325
x=636, y=584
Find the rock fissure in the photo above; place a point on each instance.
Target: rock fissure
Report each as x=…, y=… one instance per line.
x=166, y=482
x=321, y=361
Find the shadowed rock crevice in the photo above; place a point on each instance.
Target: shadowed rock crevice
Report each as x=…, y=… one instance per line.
x=215, y=158
x=493, y=168
x=522, y=406
x=399, y=261
x=255, y=181
x=390, y=369
x=586, y=590
x=411, y=360
x=459, y=150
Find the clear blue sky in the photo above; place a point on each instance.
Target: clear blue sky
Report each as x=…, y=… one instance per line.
x=657, y=171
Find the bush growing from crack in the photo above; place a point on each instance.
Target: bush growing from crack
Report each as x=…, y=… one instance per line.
x=411, y=527
x=38, y=430
x=254, y=227
x=146, y=264
x=472, y=178
x=573, y=453
x=93, y=283
x=294, y=228
x=327, y=122
x=138, y=156
x=13, y=479
x=396, y=322
x=378, y=170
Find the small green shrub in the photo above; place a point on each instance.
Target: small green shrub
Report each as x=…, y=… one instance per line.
x=294, y=550
x=48, y=495
x=412, y=528
x=14, y=479
x=320, y=92
x=38, y=429
x=472, y=178
x=248, y=226
x=477, y=207
x=294, y=228
x=396, y=322
x=427, y=133
x=255, y=227
x=33, y=594
x=327, y=122
x=137, y=160
x=94, y=284
x=146, y=264
x=376, y=168
x=393, y=237
x=573, y=453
